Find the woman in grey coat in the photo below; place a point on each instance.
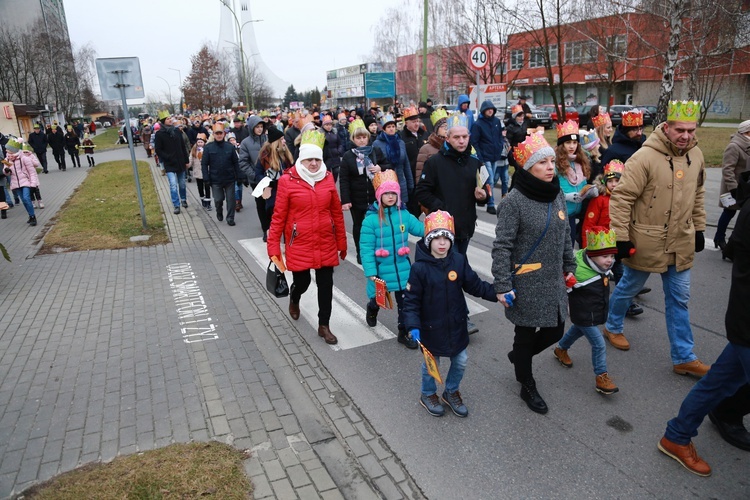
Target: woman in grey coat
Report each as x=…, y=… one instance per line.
x=532, y=256
x=734, y=162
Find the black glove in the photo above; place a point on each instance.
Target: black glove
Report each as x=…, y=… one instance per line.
x=700, y=241
x=625, y=249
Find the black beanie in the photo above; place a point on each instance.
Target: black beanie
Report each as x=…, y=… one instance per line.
x=368, y=120
x=274, y=134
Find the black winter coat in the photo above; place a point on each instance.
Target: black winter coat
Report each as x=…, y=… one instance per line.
x=332, y=150
x=170, y=147
x=589, y=303
x=413, y=145
x=355, y=188
x=448, y=182
x=56, y=140
x=220, y=164
x=737, y=317
x=487, y=135
x=622, y=147
x=434, y=300
x=38, y=142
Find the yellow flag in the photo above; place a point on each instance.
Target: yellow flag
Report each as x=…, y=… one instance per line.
x=432, y=367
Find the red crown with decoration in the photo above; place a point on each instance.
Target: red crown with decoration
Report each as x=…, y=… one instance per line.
x=568, y=128
x=632, y=118
x=614, y=169
x=527, y=148
x=516, y=109
x=437, y=220
x=601, y=119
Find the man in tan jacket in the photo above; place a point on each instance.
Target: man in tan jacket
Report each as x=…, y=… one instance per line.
x=658, y=213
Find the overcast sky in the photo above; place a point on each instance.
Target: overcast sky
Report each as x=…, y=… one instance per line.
x=298, y=39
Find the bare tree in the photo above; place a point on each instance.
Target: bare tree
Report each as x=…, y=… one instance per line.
x=395, y=34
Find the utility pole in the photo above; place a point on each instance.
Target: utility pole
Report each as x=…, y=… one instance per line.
x=182, y=99
x=424, y=51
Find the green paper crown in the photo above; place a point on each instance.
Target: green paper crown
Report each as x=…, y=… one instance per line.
x=27, y=147
x=683, y=111
x=13, y=146
x=353, y=126
x=313, y=137
x=163, y=114
x=600, y=238
x=438, y=114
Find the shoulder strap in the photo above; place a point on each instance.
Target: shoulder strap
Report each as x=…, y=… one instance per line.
x=536, y=243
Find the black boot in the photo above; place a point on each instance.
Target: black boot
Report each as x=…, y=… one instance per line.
x=32, y=220
x=405, y=338
x=532, y=397
x=219, y=213
x=372, y=317
x=3, y=214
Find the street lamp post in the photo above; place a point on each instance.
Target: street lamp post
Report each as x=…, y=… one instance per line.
x=240, y=27
x=179, y=75
x=171, y=103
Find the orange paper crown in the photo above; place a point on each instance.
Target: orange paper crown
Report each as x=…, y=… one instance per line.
x=527, y=148
x=601, y=119
x=568, y=128
x=632, y=118
x=516, y=109
x=438, y=220
x=384, y=176
x=409, y=112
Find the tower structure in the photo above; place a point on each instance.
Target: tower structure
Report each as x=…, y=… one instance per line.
x=238, y=22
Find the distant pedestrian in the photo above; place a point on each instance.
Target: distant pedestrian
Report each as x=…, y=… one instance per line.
x=38, y=141
x=88, y=149
x=72, y=143
x=196, y=155
x=56, y=140
x=736, y=159
x=221, y=170
x=170, y=147
x=20, y=170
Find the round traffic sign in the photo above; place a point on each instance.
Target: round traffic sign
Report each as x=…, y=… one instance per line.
x=478, y=57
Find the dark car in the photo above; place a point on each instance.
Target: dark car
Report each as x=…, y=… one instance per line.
x=571, y=113
x=615, y=113
x=540, y=117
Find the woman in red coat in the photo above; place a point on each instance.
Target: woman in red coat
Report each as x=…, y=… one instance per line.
x=308, y=214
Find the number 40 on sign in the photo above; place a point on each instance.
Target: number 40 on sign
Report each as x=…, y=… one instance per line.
x=478, y=57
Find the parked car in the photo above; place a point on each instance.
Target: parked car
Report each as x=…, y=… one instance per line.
x=571, y=113
x=648, y=107
x=615, y=113
x=540, y=117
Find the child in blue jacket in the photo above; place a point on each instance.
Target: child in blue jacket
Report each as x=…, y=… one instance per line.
x=435, y=309
x=384, y=247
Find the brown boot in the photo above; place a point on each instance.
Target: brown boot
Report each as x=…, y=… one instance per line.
x=617, y=340
x=325, y=332
x=605, y=385
x=686, y=455
x=695, y=367
x=562, y=357
x=238, y=206
x=293, y=310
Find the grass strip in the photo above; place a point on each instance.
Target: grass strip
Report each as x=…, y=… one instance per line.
x=103, y=212
x=178, y=471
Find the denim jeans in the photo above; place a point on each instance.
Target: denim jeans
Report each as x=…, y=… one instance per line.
x=676, y=285
x=452, y=381
x=238, y=192
x=594, y=336
x=177, y=182
x=491, y=170
x=730, y=372
x=721, y=228
x=501, y=172
x=25, y=194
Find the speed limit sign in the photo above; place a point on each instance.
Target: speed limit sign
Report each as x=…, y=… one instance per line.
x=478, y=57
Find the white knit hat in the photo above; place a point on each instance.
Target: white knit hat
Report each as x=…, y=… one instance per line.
x=307, y=151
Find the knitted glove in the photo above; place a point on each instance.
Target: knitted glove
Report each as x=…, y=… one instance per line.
x=700, y=241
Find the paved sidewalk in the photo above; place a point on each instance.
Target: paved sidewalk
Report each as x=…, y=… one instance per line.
x=105, y=353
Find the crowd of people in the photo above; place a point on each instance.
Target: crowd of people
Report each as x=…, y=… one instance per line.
x=633, y=205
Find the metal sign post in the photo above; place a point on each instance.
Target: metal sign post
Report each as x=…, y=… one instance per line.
x=478, y=59
x=113, y=74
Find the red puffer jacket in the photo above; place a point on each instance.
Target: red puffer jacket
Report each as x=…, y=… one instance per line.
x=311, y=221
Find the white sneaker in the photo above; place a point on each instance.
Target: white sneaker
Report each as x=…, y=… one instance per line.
x=41, y=204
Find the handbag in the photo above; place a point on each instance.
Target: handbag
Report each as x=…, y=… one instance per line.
x=383, y=297
x=276, y=281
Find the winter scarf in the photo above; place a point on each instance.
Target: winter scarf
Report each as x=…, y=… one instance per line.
x=392, y=148
x=536, y=189
x=308, y=176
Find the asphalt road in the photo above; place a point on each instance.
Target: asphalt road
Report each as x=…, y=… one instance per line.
x=587, y=446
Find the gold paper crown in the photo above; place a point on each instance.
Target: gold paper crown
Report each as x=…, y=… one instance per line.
x=437, y=115
x=313, y=137
x=384, y=176
x=516, y=109
x=614, y=169
x=683, y=111
x=341, y=116
x=327, y=119
x=568, y=128
x=438, y=220
x=600, y=241
x=353, y=126
x=458, y=120
x=632, y=118
x=410, y=111
x=527, y=148
x=264, y=113
x=601, y=119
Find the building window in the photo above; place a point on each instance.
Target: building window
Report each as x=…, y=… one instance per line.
x=581, y=52
x=516, y=59
x=536, y=57
x=618, y=46
x=500, y=69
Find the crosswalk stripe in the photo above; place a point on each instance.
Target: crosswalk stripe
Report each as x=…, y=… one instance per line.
x=485, y=229
x=347, y=320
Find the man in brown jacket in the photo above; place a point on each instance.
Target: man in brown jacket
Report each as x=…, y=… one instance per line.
x=658, y=213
